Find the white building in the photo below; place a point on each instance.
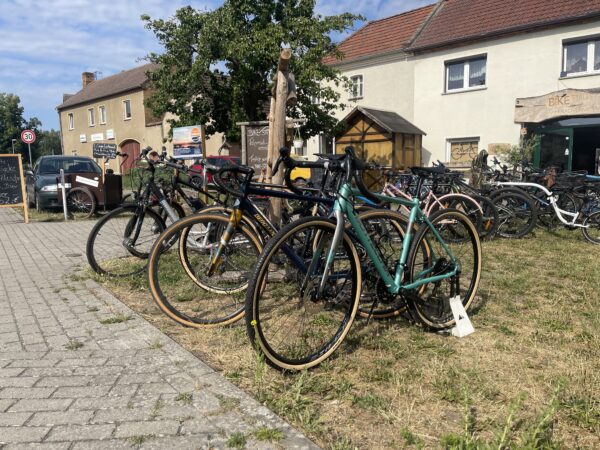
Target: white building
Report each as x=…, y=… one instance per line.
x=479, y=74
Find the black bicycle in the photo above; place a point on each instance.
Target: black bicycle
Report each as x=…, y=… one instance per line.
x=119, y=243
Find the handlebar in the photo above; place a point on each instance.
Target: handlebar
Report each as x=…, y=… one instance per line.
x=247, y=171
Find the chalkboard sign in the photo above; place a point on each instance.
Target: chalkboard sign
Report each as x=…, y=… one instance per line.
x=100, y=150
x=12, y=184
x=257, y=142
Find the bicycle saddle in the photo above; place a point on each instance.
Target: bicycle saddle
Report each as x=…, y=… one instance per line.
x=427, y=171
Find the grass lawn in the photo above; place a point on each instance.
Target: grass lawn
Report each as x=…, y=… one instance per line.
x=529, y=377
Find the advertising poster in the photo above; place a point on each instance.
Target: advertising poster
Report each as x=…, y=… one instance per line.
x=187, y=142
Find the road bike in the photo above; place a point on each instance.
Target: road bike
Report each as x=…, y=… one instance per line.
x=305, y=292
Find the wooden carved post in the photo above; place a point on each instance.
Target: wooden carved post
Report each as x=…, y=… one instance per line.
x=277, y=124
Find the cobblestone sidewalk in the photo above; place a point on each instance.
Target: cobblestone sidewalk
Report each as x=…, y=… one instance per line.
x=78, y=369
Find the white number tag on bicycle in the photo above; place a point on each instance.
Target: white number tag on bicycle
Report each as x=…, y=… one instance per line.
x=463, y=327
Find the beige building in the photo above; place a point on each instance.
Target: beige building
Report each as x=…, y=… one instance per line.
x=482, y=74
x=112, y=110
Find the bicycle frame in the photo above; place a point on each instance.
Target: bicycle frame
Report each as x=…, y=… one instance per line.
x=244, y=205
x=393, y=283
x=551, y=198
x=430, y=201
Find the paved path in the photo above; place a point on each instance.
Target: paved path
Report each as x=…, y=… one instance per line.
x=67, y=381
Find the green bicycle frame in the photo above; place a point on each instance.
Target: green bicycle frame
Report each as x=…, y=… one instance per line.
x=393, y=283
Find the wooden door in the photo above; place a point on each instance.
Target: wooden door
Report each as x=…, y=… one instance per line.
x=132, y=150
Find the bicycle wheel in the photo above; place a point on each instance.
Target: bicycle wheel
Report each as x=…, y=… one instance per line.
x=464, y=204
x=517, y=214
x=429, y=257
x=386, y=229
x=592, y=233
x=81, y=203
x=177, y=273
x=119, y=243
x=490, y=219
x=287, y=319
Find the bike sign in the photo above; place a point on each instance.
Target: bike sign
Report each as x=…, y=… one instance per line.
x=28, y=136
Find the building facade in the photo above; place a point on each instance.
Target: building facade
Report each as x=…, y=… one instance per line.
x=112, y=110
x=488, y=73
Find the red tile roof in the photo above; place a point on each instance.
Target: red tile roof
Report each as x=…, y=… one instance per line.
x=382, y=36
x=458, y=21
x=124, y=81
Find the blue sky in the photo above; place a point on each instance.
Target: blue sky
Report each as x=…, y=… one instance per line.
x=45, y=45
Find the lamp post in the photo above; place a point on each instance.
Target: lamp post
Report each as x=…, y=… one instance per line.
x=13, y=145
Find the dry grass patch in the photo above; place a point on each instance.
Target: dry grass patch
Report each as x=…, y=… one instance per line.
x=528, y=378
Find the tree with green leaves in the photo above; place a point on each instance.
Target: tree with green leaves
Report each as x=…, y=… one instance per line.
x=217, y=66
x=11, y=120
x=12, y=123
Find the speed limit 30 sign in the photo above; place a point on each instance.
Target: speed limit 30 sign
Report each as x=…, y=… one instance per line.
x=28, y=136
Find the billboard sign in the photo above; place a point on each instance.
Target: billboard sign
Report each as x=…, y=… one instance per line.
x=187, y=142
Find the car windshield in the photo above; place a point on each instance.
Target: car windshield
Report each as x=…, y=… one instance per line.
x=69, y=165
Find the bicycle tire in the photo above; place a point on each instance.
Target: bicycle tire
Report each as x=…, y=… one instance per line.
x=463, y=203
x=426, y=306
x=514, y=205
x=593, y=221
x=260, y=314
x=81, y=201
x=96, y=255
x=489, y=225
x=178, y=290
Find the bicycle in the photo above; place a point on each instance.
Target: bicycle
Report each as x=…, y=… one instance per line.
x=583, y=216
x=298, y=320
x=516, y=210
x=217, y=254
x=119, y=243
x=433, y=197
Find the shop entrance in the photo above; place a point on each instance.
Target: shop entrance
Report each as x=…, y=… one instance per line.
x=570, y=144
x=586, y=149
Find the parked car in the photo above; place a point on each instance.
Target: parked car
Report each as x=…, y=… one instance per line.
x=41, y=182
x=197, y=169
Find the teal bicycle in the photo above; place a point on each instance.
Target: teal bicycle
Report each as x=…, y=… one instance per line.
x=305, y=292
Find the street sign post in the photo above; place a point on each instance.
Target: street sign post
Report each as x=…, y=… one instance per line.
x=28, y=137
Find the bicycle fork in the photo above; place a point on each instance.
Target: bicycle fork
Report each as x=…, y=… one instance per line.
x=335, y=242
x=217, y=259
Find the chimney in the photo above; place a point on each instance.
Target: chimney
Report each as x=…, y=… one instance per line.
x=87, y=78
x=67, y=97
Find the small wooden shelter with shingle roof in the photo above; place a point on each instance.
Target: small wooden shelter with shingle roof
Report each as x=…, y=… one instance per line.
x=383, y=137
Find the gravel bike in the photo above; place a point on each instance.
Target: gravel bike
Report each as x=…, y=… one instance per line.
x=306, y=289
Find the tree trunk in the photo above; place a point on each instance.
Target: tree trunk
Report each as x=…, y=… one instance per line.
x=277, y=125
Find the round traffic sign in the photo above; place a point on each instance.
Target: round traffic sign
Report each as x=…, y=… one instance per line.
x=28, y=136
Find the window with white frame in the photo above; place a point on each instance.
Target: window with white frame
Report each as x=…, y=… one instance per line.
x=466, y=74
x=71, y=121
x=102, y=114
x=356, y=87
x=91, y=117
x=581, y=56
x=126, y=109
